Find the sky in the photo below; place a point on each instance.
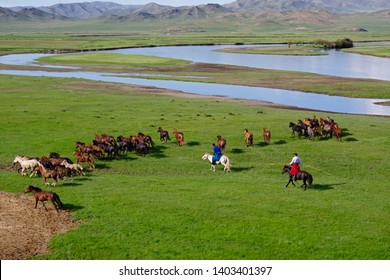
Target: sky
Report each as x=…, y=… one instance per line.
x=175, y=3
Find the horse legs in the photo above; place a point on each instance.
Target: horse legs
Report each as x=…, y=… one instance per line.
x=55, y=204
x=304, y=184
x=44, y=181
x=44, y=205
x=212, y=167
x=290, y=181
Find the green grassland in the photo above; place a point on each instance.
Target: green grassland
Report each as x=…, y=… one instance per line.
x=277, y=50
x=382, y=50
x=100, y=33
x=169, y=205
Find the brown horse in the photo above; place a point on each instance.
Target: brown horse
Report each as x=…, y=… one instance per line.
x=48, y=173
x=337, y=132
x=221, y=143
x=267, y=135
x=248, y=138
x=164, y=135
x=80, y=157
x=43, y=196
x=179, y=137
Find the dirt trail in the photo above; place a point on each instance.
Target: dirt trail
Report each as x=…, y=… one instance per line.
x=25, y=231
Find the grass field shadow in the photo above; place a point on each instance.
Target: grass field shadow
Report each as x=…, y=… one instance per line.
x=280, y=142
x=321, y=187
x=237, y=151
x=262, y=144
x=324, y=187
x=350, y=139
x=101, y=166
x=72, y=207
x=241, y=169
x=71, y=184
x=158, y=151
x=193, y=143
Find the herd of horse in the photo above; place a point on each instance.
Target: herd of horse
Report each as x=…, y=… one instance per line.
x=313, y=127
x=53, y=167
x=58, y=168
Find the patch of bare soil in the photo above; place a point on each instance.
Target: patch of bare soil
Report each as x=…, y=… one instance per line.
x=108, y=87
x=26, y=231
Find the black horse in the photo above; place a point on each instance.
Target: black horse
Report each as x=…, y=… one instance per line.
x=303, y=175
x=296, y=128
x=164, y=135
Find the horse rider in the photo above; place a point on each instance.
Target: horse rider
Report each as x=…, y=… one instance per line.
x=217, y=154
x=295, y=168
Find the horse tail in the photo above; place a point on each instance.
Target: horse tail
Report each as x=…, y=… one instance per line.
x=58, y=201
x=310, y=179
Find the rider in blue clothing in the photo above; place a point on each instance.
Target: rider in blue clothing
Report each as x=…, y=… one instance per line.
x=217, y=154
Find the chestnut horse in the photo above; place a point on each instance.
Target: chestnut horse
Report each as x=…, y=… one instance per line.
x=337, y=132
x=179, y=137
x=43, y=196
x=48, y=173
x=221, y=143
x=84, y=158
x=248, y=138
x=267, y=135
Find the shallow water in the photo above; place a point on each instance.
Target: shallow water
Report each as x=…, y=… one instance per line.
x=337, y=60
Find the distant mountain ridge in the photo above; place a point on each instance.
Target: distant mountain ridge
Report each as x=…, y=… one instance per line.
x=113, y=11
x=333, y=6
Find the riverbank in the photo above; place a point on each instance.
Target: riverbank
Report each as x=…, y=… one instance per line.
x=180, y=70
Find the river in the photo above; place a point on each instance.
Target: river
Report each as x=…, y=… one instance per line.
x=336, y=64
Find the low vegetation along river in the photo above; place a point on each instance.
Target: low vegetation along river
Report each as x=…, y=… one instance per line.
x=336, y=63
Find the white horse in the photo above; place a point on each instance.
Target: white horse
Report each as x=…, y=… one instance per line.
x=27, y=164
x=74, y=166
x=224, y=160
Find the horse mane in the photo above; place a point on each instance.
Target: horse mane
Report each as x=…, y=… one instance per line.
x=35, y=188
